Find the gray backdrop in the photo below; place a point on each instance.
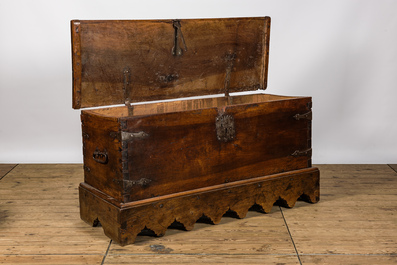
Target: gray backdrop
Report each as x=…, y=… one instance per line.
x=342, y=53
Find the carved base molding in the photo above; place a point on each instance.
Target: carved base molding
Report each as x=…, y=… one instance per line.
x=123, y=222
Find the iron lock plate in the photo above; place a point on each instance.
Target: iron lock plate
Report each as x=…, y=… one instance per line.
x=225, y=130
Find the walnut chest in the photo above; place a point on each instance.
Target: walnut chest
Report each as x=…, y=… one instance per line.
x=170, y=138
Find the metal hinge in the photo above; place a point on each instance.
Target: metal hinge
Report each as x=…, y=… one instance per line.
x=307, y=115
x=127, y=90
x=176, y=50
x=307, y=152
x=230, y=59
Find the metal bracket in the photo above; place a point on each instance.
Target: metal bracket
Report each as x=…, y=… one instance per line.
x=127, y=136
x=307, y=152
x=225, y=130
x=141, y=182
x=230, y=58
x=126, y=85
x=100, y=156
x=127, y=90
x=307, y=115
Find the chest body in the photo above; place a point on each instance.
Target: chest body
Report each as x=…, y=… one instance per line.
x=172, y=134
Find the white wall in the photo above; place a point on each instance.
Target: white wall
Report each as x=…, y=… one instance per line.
x=343, y=53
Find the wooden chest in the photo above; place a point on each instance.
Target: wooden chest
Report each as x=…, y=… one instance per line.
x=151, y=163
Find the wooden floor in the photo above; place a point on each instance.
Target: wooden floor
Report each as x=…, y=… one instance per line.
x=355, y=222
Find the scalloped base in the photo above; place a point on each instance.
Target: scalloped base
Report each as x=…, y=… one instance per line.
x=123, y=222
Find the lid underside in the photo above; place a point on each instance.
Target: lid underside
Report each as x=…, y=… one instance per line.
x=116, y=62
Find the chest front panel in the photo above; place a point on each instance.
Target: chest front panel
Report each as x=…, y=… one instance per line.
x=176, y=152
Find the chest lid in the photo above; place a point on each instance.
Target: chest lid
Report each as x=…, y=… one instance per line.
x=125, y=61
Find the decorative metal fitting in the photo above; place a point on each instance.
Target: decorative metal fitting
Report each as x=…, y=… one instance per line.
x=307, y=116
x=141, y=182
x=307, y=152
x=128, y=136
x=126, y=85
x=225, y=131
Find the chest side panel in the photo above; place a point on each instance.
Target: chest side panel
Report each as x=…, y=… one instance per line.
x=216, y=55
x=102, y=154
x=183, y=151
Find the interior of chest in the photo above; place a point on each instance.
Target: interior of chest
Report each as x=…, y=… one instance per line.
x=185, y=105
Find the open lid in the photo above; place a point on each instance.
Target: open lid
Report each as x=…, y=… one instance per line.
x=124, y=61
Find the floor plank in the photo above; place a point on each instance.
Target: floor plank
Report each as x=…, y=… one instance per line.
x=51, y=259
x=354, y=223
x=256, y=234
x=393, y=166
x=39, y=214
x=251, y=240
x=5, y=168
x=201, y=259
x=347, y=220
x=348, y=259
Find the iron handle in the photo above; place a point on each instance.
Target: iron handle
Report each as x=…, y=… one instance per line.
x=100, y=156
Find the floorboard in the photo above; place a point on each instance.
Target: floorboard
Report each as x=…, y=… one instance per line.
x=354, y=223
x=348, y=259
x=202, y=259
x=51, y=259
x=347, y=220
x=39, y=218
x=5, y=168
x=252, y=235
x=393, y=166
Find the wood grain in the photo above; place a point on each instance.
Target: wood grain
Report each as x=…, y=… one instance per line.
x=150, y=108
x=348, y=259
x=103, y=49
x=202, y=259
x=51, y=259
x=76, y=63
x=253, y=235
x=103, y=134
x=183, y=146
